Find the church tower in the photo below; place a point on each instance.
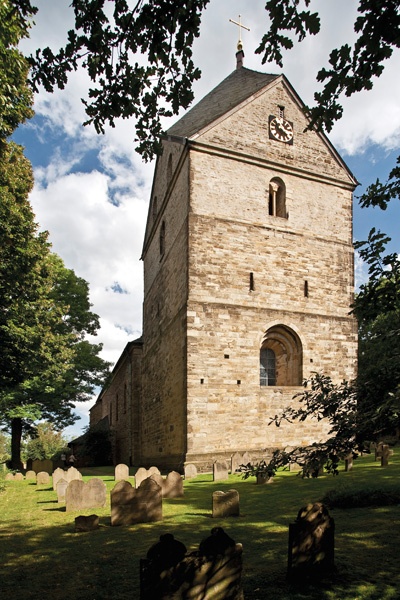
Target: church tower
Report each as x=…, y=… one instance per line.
x=248, y=275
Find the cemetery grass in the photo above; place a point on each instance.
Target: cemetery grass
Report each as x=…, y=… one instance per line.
x=43, y=556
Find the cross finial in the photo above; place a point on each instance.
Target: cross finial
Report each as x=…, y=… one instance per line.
x=239, y=45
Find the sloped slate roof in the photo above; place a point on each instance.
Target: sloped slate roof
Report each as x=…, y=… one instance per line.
x=237, y=87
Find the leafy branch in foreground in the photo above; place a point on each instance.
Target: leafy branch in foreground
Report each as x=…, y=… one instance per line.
x=324, y=400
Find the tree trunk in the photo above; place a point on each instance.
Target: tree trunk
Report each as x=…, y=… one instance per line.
x=16, y=436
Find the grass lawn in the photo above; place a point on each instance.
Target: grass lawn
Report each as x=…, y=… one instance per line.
x=43, y=557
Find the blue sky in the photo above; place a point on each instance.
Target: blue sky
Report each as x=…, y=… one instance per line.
x=92, y=192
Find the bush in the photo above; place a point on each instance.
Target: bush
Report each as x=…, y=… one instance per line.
x=348, y=497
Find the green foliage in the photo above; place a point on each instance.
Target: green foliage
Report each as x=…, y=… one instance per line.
x=111, y=47
x=15, y=95
x=349, y=496
x=5, y=447
x=46, y=444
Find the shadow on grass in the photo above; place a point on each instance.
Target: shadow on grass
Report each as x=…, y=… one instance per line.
x=41, y=558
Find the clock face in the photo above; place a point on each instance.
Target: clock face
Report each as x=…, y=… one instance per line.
x=280, y=129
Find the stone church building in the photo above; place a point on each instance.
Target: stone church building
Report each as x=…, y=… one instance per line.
x=248, y=282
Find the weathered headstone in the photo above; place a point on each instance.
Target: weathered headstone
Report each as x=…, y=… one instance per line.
x=72, y=474
x=190, y=471
x=378, y=450
x=18, y=477
x=80, y=495
x=262, y=478
x=311, y=542
x=42, y=465
x=57, y=475
x=220, y=470
x=173, y=485
x=141, y=475
x=246, y=458
x=140, y=505
x=61, y=489
x=42, y=478
x=348, y=462
x=386, y=453
x=152, y=471
x=203, y=574
x=236, y=461
x=89, y=523
x=225, y=504
x=121, y=472
x=30, y=475
x=9, y=477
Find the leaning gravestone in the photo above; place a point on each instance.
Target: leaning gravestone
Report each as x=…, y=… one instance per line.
x=140, y=505
x=220, y=471
x=190, y=471
x=225, y=504
x=121, y=473
x=42, y=478
x=348, y=462
x=386, y=453
x=311, y=543
x=61, y=489
x=80, y=495
x=30, y=475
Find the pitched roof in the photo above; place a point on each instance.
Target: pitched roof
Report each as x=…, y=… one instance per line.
x=237, y=87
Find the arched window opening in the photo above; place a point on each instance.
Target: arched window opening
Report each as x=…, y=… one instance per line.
x=267, y=367
x=277, y=198
x=281, y=358
x=162, y=239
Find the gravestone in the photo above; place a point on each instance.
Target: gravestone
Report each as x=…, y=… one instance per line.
x=246, y=458
x=72, y=474
x=378, y=450
x=57, y=475
x=42, y=465
x=173, y=485
x=225, y=504
x=236, y=461
x=30, y=475
x=80, y=495
x=121, y=472
x=42, y=478
x=348, y=462
x=9, y=477
x=140, y=505
x=220, y=470
x=89, y=523
x=190, y=471
x=213, y=572
x=311, y=543
x=18, y=477
x=386, y=453
x=153, y=471
x=158, y=479
x=61, y=489
x=141, y=475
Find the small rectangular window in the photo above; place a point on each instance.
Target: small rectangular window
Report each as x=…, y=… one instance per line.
x=306, y=288
x=252, y=282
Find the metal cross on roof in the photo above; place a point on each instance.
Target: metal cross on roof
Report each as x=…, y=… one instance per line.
x=239, y=45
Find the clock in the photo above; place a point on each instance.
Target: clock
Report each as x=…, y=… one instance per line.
x=280, y=129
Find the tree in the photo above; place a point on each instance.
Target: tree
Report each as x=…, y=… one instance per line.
x=47, y=363
x=46, y=443
x=111, y=48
